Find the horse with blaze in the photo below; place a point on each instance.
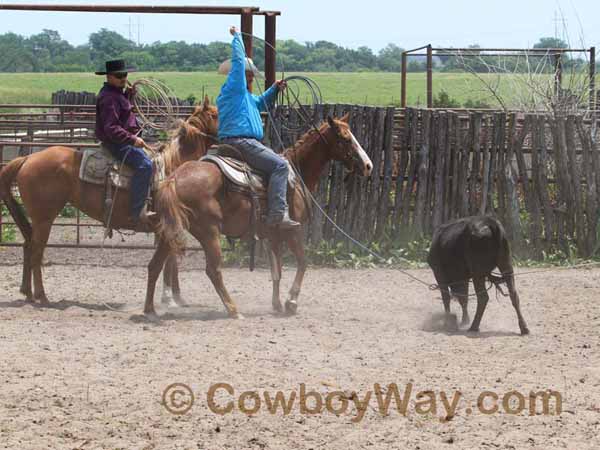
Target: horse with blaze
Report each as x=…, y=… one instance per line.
x=196, y=198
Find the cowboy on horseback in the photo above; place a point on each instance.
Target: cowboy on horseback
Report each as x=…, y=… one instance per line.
x=117, y=129
x=240, y=126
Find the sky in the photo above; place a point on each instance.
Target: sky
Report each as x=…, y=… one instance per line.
x=350, y=23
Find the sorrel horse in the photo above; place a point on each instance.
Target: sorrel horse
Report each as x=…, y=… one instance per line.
x=195, y=198
x=48, y=179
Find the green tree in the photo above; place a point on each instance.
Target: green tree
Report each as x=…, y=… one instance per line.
x=389, y=58
x=363, y=58
x=47, y=51
x=550, y=42
x=293, y=55
x=46, y=47
x=140, y=59
x=106, y=45
x=16, y=54
x=74, y=60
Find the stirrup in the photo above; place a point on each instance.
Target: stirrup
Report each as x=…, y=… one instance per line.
x=145, y=217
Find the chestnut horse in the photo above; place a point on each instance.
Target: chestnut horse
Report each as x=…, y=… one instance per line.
x=48, y=179
x=194, y=197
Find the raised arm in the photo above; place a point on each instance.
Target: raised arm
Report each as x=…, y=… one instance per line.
x=236, y=79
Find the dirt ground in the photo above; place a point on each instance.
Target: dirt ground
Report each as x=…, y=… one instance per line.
x=79, y=375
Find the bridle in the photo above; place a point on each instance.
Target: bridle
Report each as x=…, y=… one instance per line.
x=349, y=156
x=212, y=137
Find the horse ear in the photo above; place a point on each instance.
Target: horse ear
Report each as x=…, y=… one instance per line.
x=206, y=103
x=345, y=117
x=332, y=123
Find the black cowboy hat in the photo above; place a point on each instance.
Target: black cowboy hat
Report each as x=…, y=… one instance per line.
x=116, y=66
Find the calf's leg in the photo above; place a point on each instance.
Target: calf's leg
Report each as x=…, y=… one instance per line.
x=482, y=300
x=507, y=273
x=449, y=319
x=461, y=292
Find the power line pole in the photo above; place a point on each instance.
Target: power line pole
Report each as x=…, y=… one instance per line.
x=130, y=36
x=139, y=28
x=559, y=19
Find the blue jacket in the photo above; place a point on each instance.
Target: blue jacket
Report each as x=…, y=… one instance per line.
x=239, y=110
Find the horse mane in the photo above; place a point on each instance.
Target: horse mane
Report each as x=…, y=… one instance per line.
x=306, y=140
x=171, y=150
x=187, y=131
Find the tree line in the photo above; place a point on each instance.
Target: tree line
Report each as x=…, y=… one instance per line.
x=48, y=52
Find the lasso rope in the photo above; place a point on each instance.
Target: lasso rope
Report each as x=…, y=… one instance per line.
x=293, y=97
x=156, y=103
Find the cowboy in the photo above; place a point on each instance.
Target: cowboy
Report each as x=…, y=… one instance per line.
x=240, y=126
x=117, y=129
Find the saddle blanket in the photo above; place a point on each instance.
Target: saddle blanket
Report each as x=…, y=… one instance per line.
x=98, y=163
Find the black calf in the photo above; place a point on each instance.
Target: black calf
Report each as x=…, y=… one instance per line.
x=470, y=248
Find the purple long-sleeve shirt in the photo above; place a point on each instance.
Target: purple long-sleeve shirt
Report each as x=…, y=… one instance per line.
x=115, y=119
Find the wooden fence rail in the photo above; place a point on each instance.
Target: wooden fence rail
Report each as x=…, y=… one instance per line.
x=538, y=174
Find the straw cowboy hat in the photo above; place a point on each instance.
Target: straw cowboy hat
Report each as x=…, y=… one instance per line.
x=225, y=67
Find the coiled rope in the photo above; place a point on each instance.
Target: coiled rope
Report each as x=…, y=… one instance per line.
x=156, y=103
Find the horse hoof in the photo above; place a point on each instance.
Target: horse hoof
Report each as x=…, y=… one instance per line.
x=42, y=299
x=291, y=307
x=168, y=302
x=179, y=301
x=277, y=306
x=524, y=331
x=237, y=316
x=473, y=330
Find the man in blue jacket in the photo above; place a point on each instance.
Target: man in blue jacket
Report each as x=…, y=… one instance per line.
x=240, y=126
x=117, y=129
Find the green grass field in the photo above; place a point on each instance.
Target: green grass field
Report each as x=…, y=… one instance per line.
x=356, y=88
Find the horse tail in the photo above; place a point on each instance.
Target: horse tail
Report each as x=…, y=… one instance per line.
x=7, y=178
x=173, y=216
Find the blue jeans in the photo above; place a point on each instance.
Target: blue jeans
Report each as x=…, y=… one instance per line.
x=136, y=159
x=272, y=165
